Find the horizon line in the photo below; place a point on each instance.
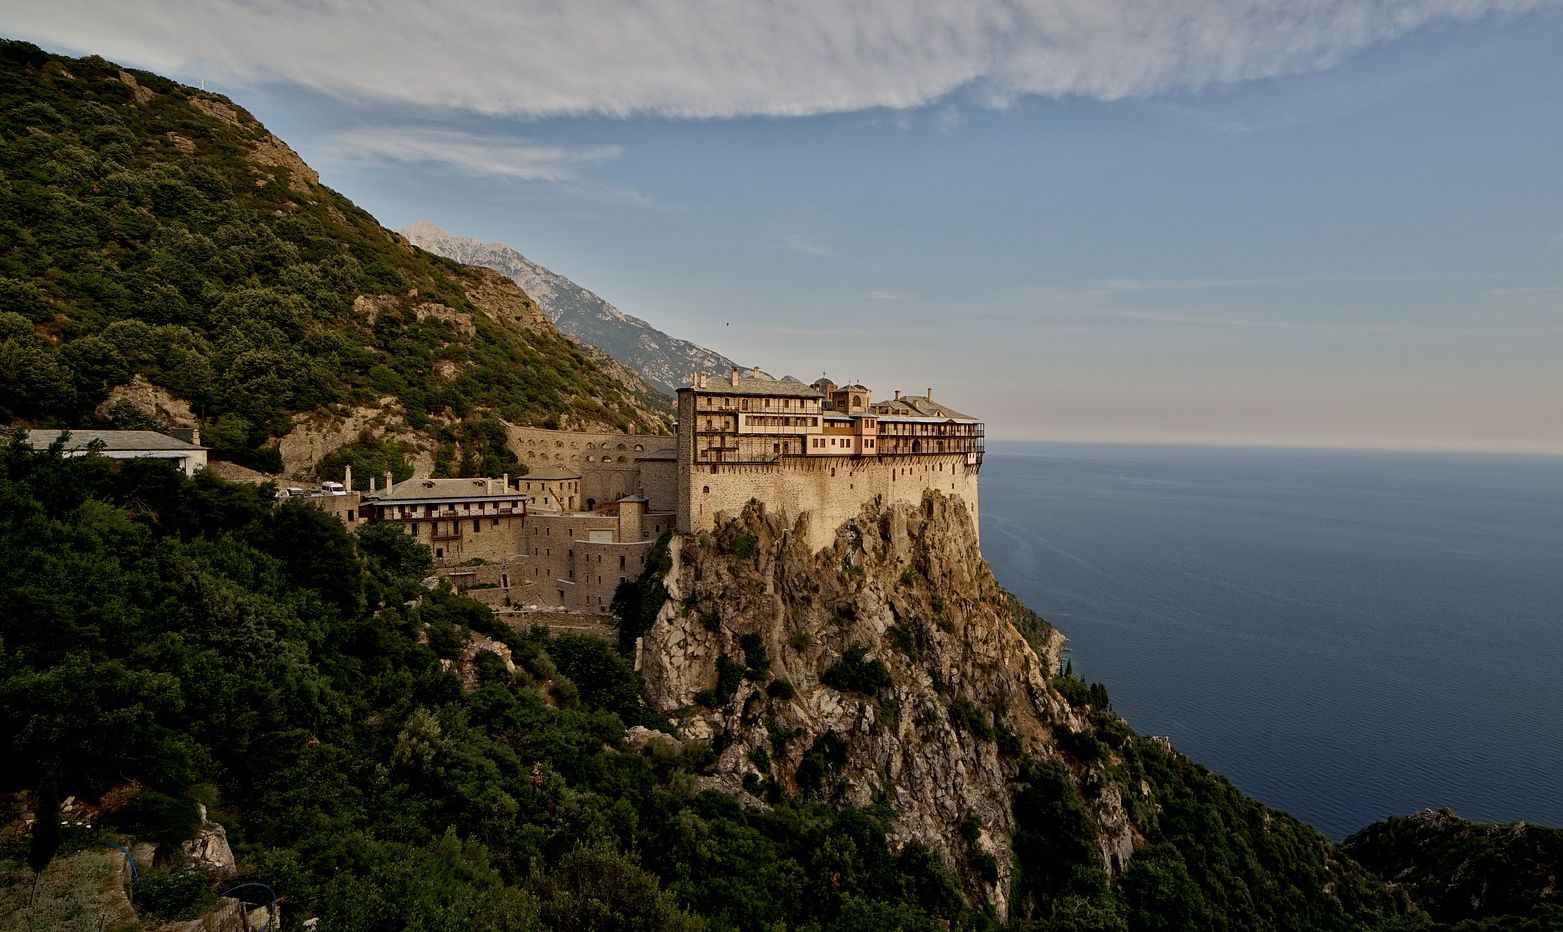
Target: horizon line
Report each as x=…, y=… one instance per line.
x=1258, y=444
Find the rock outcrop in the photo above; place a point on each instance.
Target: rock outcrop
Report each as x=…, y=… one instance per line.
x=208, y=849
x=886, y=667
x=152, y=401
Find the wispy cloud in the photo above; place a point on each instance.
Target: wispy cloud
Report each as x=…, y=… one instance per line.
x=807, y=246
x=878, y=295
x=483, y=156
x=707, y=58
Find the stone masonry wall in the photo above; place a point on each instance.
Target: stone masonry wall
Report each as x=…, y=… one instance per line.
x=570, y=572
x=830, y=489
x=606, y=461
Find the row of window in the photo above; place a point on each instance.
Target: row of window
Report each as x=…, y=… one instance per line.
x=455, y=526
x=868, y=442
x=446, y=510
x=574, y=445
x=759, y=404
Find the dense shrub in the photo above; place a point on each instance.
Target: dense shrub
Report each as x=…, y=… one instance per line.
x=743, y=544
x=856, y=672
x=174, y=892
x=972, y=719
x=603, y=678
x=757, y=660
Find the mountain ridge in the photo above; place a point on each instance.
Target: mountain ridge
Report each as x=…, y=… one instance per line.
x=664, y=361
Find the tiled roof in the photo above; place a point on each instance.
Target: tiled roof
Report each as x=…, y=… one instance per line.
x=551, y=473
x=918, y=406
x=116, y=440
x=774, y=388
x=426, y=489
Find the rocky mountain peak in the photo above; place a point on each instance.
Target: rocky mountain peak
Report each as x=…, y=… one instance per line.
x=665, y=362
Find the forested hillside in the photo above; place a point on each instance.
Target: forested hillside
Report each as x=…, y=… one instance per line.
x=1475, y=875
x=150, y=228
x=188, y=638
x=169, y=640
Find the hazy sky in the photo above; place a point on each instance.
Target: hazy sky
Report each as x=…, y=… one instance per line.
x=1262, y=221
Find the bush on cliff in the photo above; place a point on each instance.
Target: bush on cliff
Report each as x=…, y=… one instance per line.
x=856, y=672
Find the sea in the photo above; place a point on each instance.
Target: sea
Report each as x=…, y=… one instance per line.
x=1346, y=635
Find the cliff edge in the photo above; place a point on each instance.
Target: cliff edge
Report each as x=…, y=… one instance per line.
x=891, y=670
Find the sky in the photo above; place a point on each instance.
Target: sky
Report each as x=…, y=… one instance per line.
x=1294, y=222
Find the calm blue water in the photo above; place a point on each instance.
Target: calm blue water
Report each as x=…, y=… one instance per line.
x=1346, y=635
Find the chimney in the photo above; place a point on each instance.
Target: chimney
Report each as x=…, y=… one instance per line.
x=388, y=480
x=898, y=394
x=347, y=476
x=371, y=483
x=735, y=376
x=507, y=482
x=930, y=394
x=700, y=380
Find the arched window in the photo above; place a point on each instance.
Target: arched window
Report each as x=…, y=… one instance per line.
x=706, y=490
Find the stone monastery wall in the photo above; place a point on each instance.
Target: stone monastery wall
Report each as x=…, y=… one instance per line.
x=607, y=462
x=831, y=489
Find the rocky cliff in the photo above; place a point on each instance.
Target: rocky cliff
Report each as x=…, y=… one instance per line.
x=891, y=669
x=884, y=668
x=665, y=362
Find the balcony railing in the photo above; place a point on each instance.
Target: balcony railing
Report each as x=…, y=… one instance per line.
x=451, y=513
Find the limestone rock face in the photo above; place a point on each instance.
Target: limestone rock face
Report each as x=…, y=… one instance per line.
x=314, y=437
x=887, y=666
x=209, y=847
x=151, y=400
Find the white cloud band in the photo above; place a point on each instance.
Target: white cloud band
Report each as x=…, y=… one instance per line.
x=728, y=58
x=483, y=156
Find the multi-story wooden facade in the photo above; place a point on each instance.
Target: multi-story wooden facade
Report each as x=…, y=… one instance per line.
x=815, y=449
